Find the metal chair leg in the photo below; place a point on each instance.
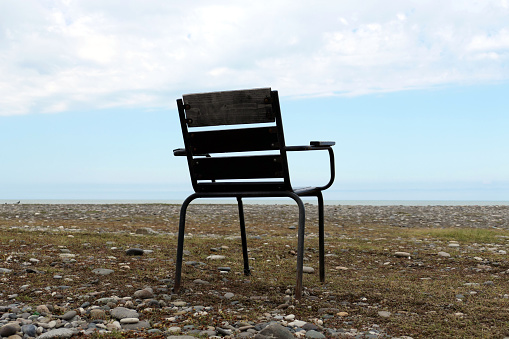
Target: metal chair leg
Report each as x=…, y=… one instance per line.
x=247, y=271
x=180, y=245
x=321, y=237
x=300, y=244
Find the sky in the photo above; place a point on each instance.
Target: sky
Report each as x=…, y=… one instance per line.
x=415, y=93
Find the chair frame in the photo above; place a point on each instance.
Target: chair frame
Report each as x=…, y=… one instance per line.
x=254, y=191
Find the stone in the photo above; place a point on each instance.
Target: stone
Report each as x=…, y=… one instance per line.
x=444, y=254
x=134, y=251
x=201, y=282
x=146, y=230
x=102, y=271
x=215, y=257
x=5, y=270
x=136, y=326
x=309, y=327
x=42, y=309
x=30, y=330
x=384, y=314
x=8, y=330
x=144, y=294
x=69, y=315
x=57, y=333
x=229, y=295
x=297, y=323
x=314, y=335
x=276, y=331
x=97, y=313
x=307, y=269
x=402, y=254
x=129, y=320
x=122, y=312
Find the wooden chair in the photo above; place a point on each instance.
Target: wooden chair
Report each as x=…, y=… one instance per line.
x=252, y=162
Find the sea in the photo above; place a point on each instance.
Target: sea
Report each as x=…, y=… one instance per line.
x=262, y=201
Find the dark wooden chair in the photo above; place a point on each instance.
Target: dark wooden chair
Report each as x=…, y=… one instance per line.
x=252, y=161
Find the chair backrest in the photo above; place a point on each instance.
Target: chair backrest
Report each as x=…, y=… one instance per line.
x=215, y=123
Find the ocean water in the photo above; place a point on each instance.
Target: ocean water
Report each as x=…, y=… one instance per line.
x=262, y=201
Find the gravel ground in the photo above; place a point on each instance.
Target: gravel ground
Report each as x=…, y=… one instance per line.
x=106, y=311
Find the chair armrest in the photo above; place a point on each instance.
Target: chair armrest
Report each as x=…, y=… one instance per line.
x=313, y=146
x=179, y=152
x=319, y=145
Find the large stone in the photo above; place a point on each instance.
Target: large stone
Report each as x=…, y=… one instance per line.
x=8, y=330
x=402, y=254
x=102, y=271
x=122, y=312
x=144, y=294
x=57, y=333
x=136, y=326
x=134, y=251
x=69, y=315
x=314, y=335
x=276, y=331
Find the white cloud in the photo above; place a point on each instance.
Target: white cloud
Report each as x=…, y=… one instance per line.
x=90, y=54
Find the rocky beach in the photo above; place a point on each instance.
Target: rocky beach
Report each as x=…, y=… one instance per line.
x=85, y=270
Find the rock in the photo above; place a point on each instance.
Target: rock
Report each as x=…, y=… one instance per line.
x=402, y=254
x=444, y=254
x=307, y=269
x=102, y=271
x=342, y=314
x=97, y=313
x=42, y=309
x=136, y=326
x=182, y=336
x=384, y=314
x=122, y=312
x=146, y=230
x=216, y=257
x=297, y=323
x=223, y=331
x=229, y=295
x=314, y=334
x=69, y=315
x=144, y=294
x=57, y=333
x=5, y=270
x=276, y=331
x=129, y=320
x=201, y=282
x=309, y=327
x=30, y=330
x=8, y=330
x=134, y=251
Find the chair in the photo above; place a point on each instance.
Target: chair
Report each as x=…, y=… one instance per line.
x=252, y=162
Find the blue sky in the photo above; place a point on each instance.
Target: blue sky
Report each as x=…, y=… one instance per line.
x=416, y=99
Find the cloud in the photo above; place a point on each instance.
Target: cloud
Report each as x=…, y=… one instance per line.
x=58, y=56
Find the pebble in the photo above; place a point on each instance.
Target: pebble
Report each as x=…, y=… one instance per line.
x=215, y=257
x=444, y=254
x=134, y=251
x=102, y=271
x=402, y=254
x=307, y=269
x=122, y=312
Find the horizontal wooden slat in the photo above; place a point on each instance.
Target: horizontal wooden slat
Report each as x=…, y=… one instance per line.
x=229, y=108
x=236, y=140
x=242, y=187
x=252, y=167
